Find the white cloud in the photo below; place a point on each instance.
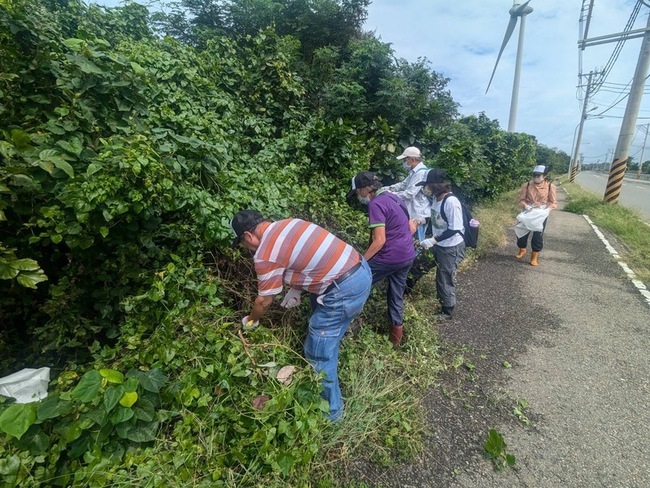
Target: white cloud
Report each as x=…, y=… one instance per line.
x=462, y=40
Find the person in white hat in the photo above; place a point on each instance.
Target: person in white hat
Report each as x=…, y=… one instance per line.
x=416, y=202
x=536, y=193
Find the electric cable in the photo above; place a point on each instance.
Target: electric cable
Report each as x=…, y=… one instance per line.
x=620, y=99
x=617, y=49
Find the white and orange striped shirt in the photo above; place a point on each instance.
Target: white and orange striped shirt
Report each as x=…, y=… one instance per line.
x=301, y=254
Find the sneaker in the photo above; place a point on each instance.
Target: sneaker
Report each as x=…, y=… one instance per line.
x=445, y=316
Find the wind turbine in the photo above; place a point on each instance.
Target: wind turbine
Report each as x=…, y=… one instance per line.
x=517, y=10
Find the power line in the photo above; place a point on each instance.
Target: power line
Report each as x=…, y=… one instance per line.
x=617, y=49
x=645, y=91
x=620, y=99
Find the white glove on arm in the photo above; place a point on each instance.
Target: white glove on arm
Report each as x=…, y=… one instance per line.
x=528, y=207
x=428, y=243
x=291, y=299
x=248, y=324
x=419, y=221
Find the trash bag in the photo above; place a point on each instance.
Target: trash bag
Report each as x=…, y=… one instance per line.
x=531, y=221
x=27, y=385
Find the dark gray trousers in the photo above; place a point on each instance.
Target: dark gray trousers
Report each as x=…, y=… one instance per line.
x=447, y=261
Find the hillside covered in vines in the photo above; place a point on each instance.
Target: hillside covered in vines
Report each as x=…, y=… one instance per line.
x=129, y=139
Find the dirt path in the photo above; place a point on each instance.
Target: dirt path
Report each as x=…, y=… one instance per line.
x=577, y=335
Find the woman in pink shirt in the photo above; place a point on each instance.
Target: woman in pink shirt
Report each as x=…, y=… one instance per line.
x=537, y=193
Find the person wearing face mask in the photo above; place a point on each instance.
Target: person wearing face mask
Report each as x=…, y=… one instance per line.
x=536, y=193
x=307, y=258
x=447, y=242
x=391, y=252
x=416, y=203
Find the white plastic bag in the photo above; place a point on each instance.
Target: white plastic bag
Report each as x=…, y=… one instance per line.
x=531, y=221
x=27, y=385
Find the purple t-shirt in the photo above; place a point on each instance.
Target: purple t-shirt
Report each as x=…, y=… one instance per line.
x=388, y=210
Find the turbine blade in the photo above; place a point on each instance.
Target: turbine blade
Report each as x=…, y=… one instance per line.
x=509, y=30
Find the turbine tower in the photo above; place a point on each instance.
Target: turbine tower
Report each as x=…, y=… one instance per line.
x=517, y=10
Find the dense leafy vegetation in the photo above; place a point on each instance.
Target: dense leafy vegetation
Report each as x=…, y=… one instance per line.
x=128, y=142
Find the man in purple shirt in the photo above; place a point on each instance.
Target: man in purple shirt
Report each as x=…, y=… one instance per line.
x=391, y=253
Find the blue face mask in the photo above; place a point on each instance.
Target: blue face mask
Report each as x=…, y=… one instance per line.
x=364, y=200
x=406, y=166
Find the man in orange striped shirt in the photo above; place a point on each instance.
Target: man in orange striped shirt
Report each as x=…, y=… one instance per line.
x=307, y=257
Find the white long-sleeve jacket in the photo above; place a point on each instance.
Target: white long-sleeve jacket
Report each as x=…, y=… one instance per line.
x=416, y=202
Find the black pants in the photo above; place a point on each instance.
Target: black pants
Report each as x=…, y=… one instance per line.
x=536, y=243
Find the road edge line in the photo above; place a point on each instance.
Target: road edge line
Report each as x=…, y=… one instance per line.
x=630, y=274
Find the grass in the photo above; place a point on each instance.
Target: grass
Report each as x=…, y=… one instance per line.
x=496, y=218
x=384, y=418
x=625, y=224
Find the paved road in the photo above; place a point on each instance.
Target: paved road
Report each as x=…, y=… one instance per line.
x=586, y=377
x=577, y=334
x=635, y=194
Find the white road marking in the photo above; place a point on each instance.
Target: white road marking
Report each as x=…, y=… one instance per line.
x=630, y=274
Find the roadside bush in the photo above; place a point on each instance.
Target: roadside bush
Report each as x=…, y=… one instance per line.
x=123, y=157
x=212, y=408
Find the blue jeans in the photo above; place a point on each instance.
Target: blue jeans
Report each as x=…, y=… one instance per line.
x=332, y=314
x=395, y=275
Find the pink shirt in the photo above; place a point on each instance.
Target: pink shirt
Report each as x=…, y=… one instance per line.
x=536, y=194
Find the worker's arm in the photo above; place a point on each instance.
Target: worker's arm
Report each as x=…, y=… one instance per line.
x=261, y=305
x=378, y=241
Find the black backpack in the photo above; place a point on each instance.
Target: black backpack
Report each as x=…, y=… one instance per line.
x=471, y=232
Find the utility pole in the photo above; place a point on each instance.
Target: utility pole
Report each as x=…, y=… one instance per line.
x=617, y=171
x=573, y=167
x=645, y=138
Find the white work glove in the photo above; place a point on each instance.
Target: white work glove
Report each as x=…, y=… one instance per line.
x=543, y=207
x=428, y=243
x=528, y=208
x=291, y=299
x=418, y=221
x=248, y=324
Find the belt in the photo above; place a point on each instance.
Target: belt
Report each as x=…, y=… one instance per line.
x=343, y=277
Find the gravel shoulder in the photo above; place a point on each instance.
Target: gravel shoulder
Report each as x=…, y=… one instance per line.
x=577, y=335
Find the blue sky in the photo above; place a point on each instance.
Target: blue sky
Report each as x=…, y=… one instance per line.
x=462, y=38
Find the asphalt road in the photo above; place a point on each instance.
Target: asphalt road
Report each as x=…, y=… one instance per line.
x=635, y=194
x=577, y=334
x=585, y=377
